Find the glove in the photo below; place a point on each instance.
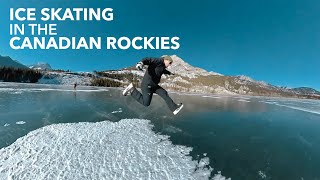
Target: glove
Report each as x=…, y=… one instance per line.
x=139, y=66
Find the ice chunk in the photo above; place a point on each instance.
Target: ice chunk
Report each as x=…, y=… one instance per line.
x=127, y=149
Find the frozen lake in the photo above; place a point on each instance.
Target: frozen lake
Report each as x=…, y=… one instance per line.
x=241, y=137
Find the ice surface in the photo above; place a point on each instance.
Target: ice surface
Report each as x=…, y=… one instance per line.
x=127, y=149
x=311, y=106
x=20, y=90
x=300, y=108
x=242, y=97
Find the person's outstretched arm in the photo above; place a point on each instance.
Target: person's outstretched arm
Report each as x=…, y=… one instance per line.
x=146, y=61
x=167, y=72
x=149, y=60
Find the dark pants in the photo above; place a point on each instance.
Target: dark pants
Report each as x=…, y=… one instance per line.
x=147, y=92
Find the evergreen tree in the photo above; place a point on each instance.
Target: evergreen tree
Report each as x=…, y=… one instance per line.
x=9, y=74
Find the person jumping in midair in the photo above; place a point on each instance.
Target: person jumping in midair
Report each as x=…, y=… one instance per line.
x=149, y=85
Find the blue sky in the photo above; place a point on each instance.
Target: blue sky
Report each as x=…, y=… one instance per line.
x=277, y=41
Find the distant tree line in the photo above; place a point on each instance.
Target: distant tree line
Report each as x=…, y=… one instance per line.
x=105, y=82
x=121, y=77
x=9, y=74
x=112, y=79
x=60, y=70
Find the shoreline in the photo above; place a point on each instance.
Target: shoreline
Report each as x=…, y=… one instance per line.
x=83, y=87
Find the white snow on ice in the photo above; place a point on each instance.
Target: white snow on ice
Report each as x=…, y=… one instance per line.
x=20, y=122
x=262, y=174
x=127, y=149
x=268, y=102
x=215, y=97
x=242, y=97
x=15, y=92
x=243, y=100
x=119, y=111
x=220, y=177
x=172, y=129
x=5, y=125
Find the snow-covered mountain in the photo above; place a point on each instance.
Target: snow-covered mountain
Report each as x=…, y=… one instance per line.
x=306, y=90
x=41, y=66
x=6, y=61
x=184, y=69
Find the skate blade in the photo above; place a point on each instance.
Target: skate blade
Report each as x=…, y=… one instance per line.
x=177, y=110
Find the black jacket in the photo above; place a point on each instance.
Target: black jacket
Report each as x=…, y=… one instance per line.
x=155, y=70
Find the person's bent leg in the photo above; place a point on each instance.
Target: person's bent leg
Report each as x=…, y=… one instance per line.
x=145, y=97
x=164, y=94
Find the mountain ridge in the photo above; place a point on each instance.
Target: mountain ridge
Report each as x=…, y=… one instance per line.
x=192, y=79
x=6, y=61
x=40, y=66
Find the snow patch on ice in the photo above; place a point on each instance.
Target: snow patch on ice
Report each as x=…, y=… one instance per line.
x=15, y=92
x=20, y=122
x=5, y=125
x=268, y=102
x=262, y=174
x=214, y=97
x=127, y=149
x=218, y=176
x=243, y=100
x=241, y=97
x=119, y=111
x=172, y=129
